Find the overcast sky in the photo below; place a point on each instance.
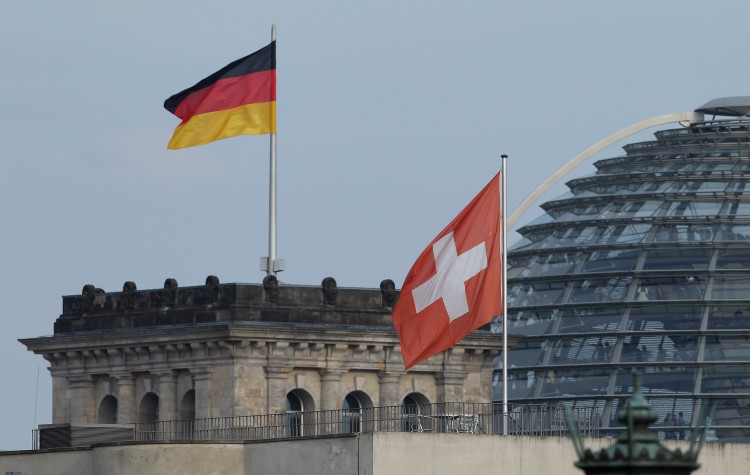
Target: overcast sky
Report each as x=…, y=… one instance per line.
x=391, y=116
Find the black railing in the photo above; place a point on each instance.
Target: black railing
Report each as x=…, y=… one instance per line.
x=457, y=418
x=460, y=418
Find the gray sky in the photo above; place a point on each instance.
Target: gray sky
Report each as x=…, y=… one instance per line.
x=391, y=116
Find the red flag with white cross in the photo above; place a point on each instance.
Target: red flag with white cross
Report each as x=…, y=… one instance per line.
x=454, y=287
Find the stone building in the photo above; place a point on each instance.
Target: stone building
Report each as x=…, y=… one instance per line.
x=184, y=353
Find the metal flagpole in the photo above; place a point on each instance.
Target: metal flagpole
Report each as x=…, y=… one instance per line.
x=504, y=290
x=269, y=264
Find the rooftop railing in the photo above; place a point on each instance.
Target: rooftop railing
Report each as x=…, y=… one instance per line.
x=440, y=418
x=457, y=418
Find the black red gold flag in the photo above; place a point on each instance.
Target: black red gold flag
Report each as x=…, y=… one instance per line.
x=238, y=99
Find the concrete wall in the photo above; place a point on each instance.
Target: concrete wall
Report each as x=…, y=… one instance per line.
x=340, y=455
x=145, y=459
x=364, y=454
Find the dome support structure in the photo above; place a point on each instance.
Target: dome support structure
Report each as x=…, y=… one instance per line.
x=689, y=117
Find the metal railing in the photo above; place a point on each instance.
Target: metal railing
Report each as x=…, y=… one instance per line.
x=460, y=418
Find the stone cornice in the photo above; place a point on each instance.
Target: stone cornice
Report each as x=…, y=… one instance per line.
x=311, y=346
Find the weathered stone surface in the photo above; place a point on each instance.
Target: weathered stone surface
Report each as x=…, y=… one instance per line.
x=240, y=349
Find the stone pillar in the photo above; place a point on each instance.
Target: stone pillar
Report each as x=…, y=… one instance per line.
x=126, y=408
x=167, y=397
x=330, y=390
x=485, y=392
x=389, y=389
x=203, y=401
x=330, y=400
x=390, y=415
x=82, y=399
x=60, y=404
x=276, y=388
x=450, y=386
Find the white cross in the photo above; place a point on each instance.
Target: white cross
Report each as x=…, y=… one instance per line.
x=452, y=271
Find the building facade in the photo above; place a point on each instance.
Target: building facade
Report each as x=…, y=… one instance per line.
x=643, y=265
x=225, y=350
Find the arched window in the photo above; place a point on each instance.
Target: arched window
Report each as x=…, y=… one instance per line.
x=187, y=406
x=300, y=408
x=294, y=415
x=107, y=410
x=351, y=414
x=187, y=416
x=148, y=410
x=415, y=413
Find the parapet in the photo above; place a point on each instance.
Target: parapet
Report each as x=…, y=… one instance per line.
x=96, y=310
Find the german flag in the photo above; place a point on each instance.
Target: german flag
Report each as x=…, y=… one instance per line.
x=238, y=99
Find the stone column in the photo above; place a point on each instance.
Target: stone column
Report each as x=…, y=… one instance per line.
x=167, y=397
x=390, y=403
x=450, y=386
x=330, y=400
x=389, y=389
x=203, y=401
x=126, y=408
x=60, y=404
x=276, y=388
x=330, y=390
x=82, y=400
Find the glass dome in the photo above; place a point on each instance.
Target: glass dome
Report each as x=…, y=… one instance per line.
x=644, y=265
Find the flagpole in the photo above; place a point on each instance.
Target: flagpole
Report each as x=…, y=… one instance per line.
x=504, y=290
x=271, y=262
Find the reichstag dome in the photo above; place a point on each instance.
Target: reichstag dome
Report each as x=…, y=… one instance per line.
x=643, y=265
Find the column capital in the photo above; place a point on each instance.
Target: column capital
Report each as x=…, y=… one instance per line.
x=389, y=376
x=331, y=374
x=79, y=380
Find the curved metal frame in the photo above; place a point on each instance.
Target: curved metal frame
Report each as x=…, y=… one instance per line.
x=691, y=117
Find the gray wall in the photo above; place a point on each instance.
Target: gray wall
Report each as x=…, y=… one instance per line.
x=380, y=453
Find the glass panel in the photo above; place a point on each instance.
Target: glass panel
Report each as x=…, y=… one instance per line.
x=529, y=323
x=729, y=317
x=670, y=288
x=712, y=186
x=610, y=261
x=730, y=412
x=660, y=380
x=575, y=382
x=596, y=235
x=730, y=287
x=590, y=320
x=726, y=379
x=584, y=350
x=727, y=348
x=733, y=259
x=544, y=293
x=521, y=383
x=522, y=244
x=522, y=263
x=631, y=233
x=665, y=317
x=735, y=232
x=694, y=208
x=641, y=210
x=662, y=259
x=556, y=264
x=738, y=208
x=685, y=233
x=527, y=353
x=585, y=291
x=660, y=348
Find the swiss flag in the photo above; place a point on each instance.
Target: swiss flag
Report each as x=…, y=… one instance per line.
x=454, y=287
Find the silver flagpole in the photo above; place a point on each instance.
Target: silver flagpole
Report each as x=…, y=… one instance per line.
x=270, y=263
x=504, y=287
